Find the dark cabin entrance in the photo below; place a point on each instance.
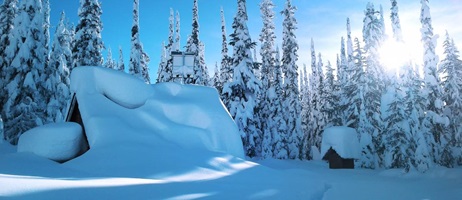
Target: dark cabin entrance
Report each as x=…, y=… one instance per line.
x=337, y=162
x=73, y=115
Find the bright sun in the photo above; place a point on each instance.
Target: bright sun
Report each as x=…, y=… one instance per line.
x=394, y=55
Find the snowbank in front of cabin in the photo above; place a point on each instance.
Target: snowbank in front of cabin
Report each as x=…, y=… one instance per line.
x=117, y=108
x=56, y=141
x=343, y=140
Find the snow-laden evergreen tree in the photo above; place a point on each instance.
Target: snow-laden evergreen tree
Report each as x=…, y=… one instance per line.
x=226, y=71
x=451, y=68
x=88, y=43
x=194, y=45
x=349, y=48
x=328, y=98
x=110, y=62
x=121, y=63
x=418, y=150
x=382, y=22
x=162, y=73
x=8, y=12
x=205, y=70
x=245, y=87
x=396, y=22
x=305, y=115
x=291, y=101
x=277, y=127
x=165, y=71
x=24, y=108
x=343, y=67
x=375, y=84
x=215, y=80
x=321, y=118
x=310, y=122
x=177, y=45
x=317, y=115
x=139, y=60
x=396, y=132
x=342, y=80
x=355, y=87
x=60, y=64
x=435, y=105
x=267, y=38
x=47, y=77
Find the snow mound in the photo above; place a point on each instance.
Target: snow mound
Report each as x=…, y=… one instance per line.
x=58, y=141
x=343, y=140
x=117, y=108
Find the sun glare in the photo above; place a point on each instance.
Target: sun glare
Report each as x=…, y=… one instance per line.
x=394, y=55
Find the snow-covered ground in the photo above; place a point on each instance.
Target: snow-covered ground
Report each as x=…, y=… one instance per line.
x=170, y=141
x=133, y=172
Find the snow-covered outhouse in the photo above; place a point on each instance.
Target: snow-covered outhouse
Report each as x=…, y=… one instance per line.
x=340, y=147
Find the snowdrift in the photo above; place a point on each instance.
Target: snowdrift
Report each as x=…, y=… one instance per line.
x=117, y=108
x=57, y=141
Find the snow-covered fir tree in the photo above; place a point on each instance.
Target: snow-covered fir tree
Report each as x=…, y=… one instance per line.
x=162, y=73
x=245, y=87
x=195, y=46
x=202, y=62
x=267, y=38
x=121, y=63
x=277, y=127
x=215, y=80
x=435, y=105
x=61, y=64
x=177, y=45
x=226, y=71
x=396, y=132
x=291, y=101
x=110, y=62
x=328, y=98
x=396, y=22
x=88, y=43
x=342, y=80
x=48, y=79
x=25, y=107
x=321, y=118
x=354, y=89
x=373, y=37
x=139, y=60
x=418, y=150
x=451, y=69
x=349, y=48
x=317, y=119
x=165, y=71
x=305, y=115
x=8, y=12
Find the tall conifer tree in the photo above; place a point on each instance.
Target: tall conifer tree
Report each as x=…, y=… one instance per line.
x=195, y=46
x=291, y=95
x=88, y=43
x=267, y=38
x=139, y=60
x=245, y=87
x=435, y=106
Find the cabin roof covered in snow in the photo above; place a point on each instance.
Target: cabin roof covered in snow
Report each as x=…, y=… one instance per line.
x=343, y=140
x=117, y=108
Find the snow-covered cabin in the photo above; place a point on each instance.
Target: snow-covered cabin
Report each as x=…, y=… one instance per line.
x=115, y=108
x=340, y=147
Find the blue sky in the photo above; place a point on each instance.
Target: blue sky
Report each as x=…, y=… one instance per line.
x=322, y=20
